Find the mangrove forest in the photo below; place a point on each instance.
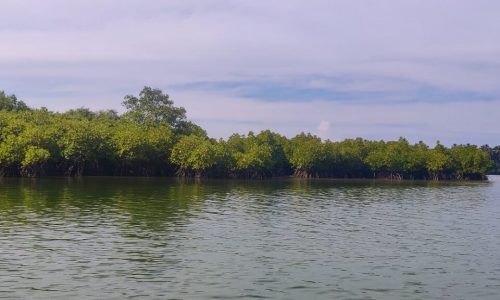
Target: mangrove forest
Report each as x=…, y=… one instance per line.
x=154, y=138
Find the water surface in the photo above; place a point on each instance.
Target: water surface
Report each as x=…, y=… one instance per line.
x=125, y=238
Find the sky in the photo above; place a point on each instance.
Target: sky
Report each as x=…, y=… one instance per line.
x=378, y=69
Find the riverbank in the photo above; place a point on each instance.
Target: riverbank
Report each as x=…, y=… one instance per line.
x=261, y=179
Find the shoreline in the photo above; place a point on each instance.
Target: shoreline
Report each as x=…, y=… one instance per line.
x=265, y=179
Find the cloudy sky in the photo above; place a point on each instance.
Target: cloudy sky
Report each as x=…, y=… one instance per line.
x=425, y=69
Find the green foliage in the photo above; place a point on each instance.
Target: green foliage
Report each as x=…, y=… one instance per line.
x=258, y=156
x=10, y=103
x=348, y=158
x=470, y=162
x=82, y=143
x=154, y=138
x=140, y=144
x=494, y=154
x=307, y=154
x=34, y=159
x=85, y=113
x=439, y=161
x=189, y=128
x=194, y=155
x=153, y=107
x=376, y=158
x=254, y=161
x=416, y=164
x=278, y=165
x=11, y=152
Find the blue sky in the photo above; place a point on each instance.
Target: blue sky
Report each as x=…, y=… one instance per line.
x=427, y=70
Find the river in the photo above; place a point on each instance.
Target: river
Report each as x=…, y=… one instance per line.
x=156, y=238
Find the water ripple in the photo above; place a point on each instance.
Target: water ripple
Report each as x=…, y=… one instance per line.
x=110, y=238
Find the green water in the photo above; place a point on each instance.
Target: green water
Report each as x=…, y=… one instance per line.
x=124, y=238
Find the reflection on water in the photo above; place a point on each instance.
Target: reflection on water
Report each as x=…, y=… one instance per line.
x=116, y=238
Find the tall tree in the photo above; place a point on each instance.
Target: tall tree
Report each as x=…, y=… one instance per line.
x=154, y=107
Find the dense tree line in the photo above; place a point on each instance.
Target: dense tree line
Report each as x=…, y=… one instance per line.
x=154, y=138
x=494, y=154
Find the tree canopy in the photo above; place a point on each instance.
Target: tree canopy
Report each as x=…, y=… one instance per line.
x=153, y=107
x=155, y=138
x=10, y=103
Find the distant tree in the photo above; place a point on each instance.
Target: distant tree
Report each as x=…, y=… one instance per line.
x=307, y=154
x=83, y=144
x=494, y=154
x=153, y=107
x=80, y=113
x=439, y=162
x=194, y=155
x=258, y=156
x=107, y=114
x=189, y=128
x=348, y=158
x=10, y=103
x=416, y=164
x=278, y=165
x=470, y=162
x=377, y=159
x=254, y=162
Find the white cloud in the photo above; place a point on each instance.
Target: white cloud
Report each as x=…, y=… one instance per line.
x=323, y=128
